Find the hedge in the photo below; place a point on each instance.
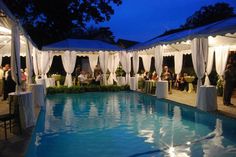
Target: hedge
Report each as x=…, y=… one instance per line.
x=89, y=88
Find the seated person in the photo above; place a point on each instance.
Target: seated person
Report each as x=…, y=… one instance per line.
x=98, y=79
x=167, y=75
x=154, y=76
x=82, y=77
x=180, y=83
x=146, y=76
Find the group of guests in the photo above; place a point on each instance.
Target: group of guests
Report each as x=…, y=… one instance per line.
x=83, y=78
x=7, y=84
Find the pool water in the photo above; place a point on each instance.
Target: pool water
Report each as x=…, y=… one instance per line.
x=127, y=124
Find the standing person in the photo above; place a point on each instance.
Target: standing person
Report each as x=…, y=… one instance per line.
x=228, y=85
x=166, y=75
x=77, y=73
x=1, y=80
x=5, y=75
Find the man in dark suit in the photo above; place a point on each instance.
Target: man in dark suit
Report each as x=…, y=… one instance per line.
x=228, y=85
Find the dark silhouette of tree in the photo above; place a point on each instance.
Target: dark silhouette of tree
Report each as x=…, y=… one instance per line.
x=48, y=21
x=206, y=15
x=95, y=33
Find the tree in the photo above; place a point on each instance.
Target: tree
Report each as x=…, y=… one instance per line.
x=209, y=14
x=206, y=15
x=52, y=20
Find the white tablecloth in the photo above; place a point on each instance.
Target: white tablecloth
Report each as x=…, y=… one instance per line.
x=26, y=108
x=162, y=89
x=43, y=82
x=50, y=82
x=133, y=83
x=38, y=94
x=207, y=100
x=120, y=81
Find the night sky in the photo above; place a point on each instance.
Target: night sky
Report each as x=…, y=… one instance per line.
x=141, y=20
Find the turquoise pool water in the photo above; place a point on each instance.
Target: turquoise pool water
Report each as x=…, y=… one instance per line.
x=127, y=124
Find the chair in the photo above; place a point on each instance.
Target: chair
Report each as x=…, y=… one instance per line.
x=12, y=115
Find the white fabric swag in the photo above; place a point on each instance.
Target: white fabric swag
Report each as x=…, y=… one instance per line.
x=221, y=56
x=103, y=60
x=46, y=62
x=126, y=65
x=36, y=62
x=178, y=63
x=68, y=60
x=15, y=57
x=0, y=59
x=159, y=60
x=113, y=62
x=199, y=48
x=209, y=66
x=146, y=61
x=29, y=64
x=135, y=68
x=93, y=61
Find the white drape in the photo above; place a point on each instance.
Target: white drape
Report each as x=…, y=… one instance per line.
x=199, y=48
x=135, y=68
x=126, y=65
x=159, y=60
x=68, y=60
x=178, y=62
x=93, y=61
x=209, y=65
x=146, y=61
x=47, y=62
x=29, y=64
x=36, y=62
x=15, y=57
x=113, y=62
x=103, y=60
x=221, y=56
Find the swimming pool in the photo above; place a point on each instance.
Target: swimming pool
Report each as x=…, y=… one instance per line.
x=126, y=124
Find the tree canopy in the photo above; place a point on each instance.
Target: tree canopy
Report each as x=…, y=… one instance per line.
x=48, y=21
x=206, y=15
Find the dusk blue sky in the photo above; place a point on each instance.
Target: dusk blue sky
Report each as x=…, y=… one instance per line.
x=141, y=20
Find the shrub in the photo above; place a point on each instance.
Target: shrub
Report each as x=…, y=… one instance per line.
x=89, y=88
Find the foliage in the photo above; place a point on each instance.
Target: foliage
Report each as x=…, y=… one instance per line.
x=89, y=88
x=119, y=71
x=49, y=20
x=206, y=15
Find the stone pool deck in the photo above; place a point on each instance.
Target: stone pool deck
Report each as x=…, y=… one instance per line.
x=16, y=146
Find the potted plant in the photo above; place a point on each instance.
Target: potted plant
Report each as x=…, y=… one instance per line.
x=220, y=86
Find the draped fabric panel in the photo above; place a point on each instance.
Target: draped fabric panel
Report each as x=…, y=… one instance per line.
x=68, y=60
x=178, y=62
x=159, y=60
x=136, y=68
x=126, y=64
x=29, y=64
x=93, y=61
x=15, y=57
x=199, y=48
x=103, y=60
x=221, y=56
x=36, y=62
x=49, y=64
x=110, y=65
x=146, y=61
x=209, y=65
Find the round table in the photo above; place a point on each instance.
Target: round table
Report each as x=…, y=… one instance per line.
x=162, y=89
x=148, y=85
x=207, y=98
x=24, y=102
x=120, y=81
x=38, y=94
